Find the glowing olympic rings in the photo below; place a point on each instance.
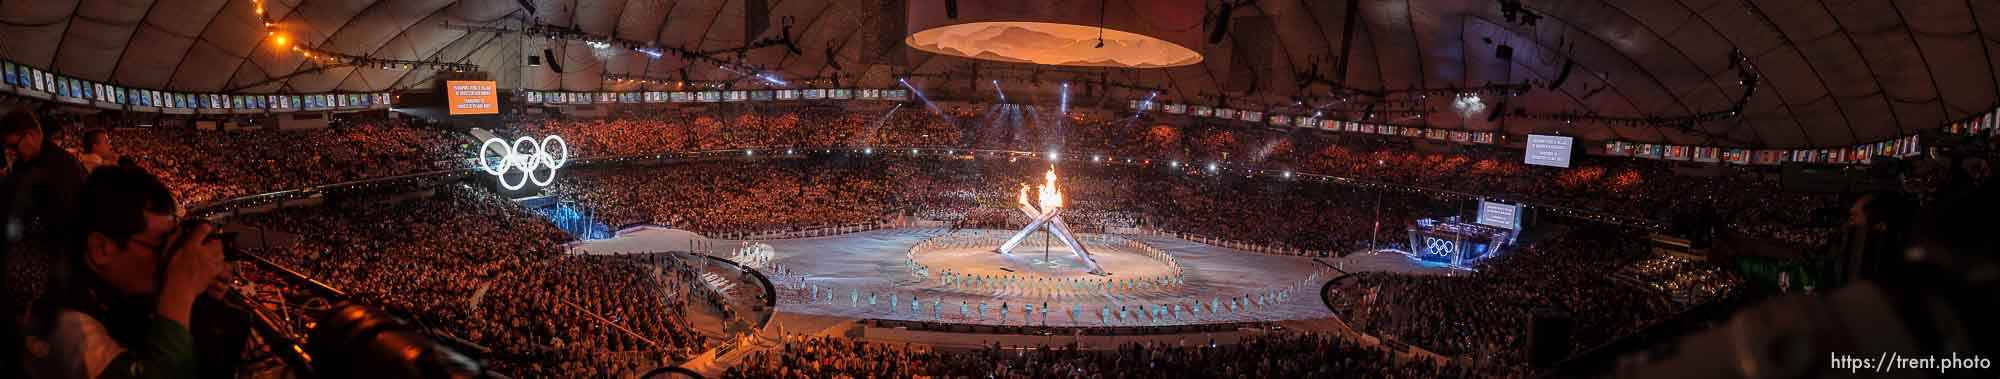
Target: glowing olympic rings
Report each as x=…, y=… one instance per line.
x=527, y=162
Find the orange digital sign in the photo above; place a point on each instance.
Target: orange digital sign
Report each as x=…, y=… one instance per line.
x=471, y=98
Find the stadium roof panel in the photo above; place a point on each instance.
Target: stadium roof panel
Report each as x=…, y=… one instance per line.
x=1833, y=73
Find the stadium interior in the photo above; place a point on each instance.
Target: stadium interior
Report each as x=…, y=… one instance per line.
x=999, y=188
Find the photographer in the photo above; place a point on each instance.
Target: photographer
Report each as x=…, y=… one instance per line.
x=123, y=309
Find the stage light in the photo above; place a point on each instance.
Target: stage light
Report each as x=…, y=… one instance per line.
x=920, y=96
x=1054, y=156
x=1468, y=104
x=773, y=79
x=1065, y=98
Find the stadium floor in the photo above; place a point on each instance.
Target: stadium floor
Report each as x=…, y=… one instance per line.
x=851, y=267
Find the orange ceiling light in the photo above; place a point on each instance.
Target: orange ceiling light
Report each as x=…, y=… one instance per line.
x=1110, y=33
x=1052, y=44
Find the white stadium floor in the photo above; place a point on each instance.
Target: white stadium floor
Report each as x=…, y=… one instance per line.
x=848, y=269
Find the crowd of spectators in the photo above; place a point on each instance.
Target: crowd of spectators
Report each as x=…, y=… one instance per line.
x=1484, y=316
x=1744, y=200
x=653, y=130
x=203, y=166
x=764, y=195
x=595, y=316
x=543, y=314
x=1273, y=355
x=730, y=196
x=569, y=317
x=1681, y=278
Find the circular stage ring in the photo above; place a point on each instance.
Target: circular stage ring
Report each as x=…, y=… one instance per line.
x=1022, y=276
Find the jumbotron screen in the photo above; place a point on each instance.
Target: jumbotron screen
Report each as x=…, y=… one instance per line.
x=1499, y=215
x=1552, y=151
x=471, y=97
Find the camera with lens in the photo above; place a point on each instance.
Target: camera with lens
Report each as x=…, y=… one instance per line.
x=350, y=339
x=232, y=241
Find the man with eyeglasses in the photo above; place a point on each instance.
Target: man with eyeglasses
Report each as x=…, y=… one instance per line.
x=133, y=274
x=37, y=196
x=41, y=181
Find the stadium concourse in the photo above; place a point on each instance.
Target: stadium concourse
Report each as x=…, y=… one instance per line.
x=996, y=188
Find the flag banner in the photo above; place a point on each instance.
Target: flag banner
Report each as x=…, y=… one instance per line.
x=1736, y=156
x=1707, y=154
x=1617, y=148
x=1678, y=153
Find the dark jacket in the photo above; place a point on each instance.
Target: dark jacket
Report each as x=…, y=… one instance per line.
x=43, y=189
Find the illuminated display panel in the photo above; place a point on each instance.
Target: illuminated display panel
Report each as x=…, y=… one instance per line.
x=471, y=97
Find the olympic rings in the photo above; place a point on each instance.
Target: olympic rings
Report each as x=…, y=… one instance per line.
x=527, y=162
x=1439, y=246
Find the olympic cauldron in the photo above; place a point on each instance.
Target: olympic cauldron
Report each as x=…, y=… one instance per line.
x=1048, y=217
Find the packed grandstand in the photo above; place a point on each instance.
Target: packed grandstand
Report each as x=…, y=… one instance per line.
x=1473, y=189
x=540, y=309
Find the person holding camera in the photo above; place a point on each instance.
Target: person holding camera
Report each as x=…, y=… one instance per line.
x=134, y=272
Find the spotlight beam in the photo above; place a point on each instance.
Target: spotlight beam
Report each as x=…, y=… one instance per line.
x=1142, y=108
x=920, y=96
x=1064, y=108
x=996, y=89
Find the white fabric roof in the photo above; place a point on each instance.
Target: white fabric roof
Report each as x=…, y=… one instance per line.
x=1835, y=73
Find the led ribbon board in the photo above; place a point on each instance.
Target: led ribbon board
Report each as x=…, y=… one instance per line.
x=528, y=162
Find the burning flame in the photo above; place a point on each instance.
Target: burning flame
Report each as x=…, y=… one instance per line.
x=1051, y=198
